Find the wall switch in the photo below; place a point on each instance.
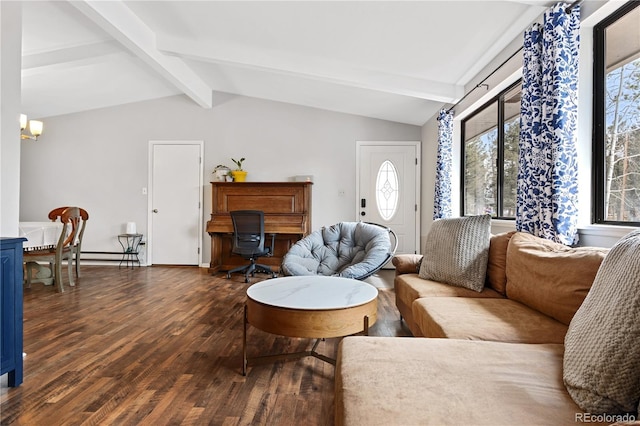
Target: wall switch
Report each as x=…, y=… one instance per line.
x=144, y=191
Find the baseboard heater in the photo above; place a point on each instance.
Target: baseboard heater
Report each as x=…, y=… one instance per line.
x=107, y=256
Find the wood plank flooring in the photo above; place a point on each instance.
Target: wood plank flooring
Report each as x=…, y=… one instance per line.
x=163, y=346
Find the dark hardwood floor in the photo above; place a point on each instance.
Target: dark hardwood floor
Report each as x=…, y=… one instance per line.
x=163, y=345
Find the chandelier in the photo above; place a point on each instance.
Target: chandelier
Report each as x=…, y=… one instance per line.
x=35, y=128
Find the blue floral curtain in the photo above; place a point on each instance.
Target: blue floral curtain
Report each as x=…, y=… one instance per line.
x=548, y=168
x=442, y=198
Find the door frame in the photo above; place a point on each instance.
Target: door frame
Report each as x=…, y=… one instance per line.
x=152, y=143
x=418, y=208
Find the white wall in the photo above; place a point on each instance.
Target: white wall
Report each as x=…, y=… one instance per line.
x=10, y=65
x=511, y=71
x=98, y=159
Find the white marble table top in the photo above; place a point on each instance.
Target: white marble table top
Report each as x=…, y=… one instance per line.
x=312, y=292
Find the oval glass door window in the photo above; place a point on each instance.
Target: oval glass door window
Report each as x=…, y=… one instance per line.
x=387, y=190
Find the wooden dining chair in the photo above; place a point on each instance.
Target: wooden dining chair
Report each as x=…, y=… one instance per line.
x=71, y=219
x=77, y=246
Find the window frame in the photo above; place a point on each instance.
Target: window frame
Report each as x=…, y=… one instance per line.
x=599, y=178
x=500, y=100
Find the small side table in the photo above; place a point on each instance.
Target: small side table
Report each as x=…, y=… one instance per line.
x=130, y=244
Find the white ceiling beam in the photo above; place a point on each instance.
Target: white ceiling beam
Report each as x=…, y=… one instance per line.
x=540, y=3
x=69, y=57
x=115, y=18
x=210, y=51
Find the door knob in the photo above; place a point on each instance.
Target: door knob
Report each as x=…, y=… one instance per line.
x=155, y=210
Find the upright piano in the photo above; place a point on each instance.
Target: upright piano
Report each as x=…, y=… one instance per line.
x=287, y=216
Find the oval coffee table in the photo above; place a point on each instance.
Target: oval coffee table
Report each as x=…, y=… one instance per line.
x=310, y=307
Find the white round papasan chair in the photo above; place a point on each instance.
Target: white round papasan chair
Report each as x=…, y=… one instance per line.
x=347, y=249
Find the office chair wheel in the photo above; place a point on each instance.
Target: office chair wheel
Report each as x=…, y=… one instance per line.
x=246, y=279
x=228, y=275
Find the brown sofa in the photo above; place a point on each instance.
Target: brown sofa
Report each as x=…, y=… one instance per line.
x=494, y=357
x=533, y=288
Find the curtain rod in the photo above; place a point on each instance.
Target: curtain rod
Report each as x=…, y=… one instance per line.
x=481, y=84
x=572, y=5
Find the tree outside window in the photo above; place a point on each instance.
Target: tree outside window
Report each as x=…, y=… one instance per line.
x=617, y=117
x=623, y=143
x=490, y=154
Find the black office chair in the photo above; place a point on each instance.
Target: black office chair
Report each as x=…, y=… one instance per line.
x=248, y=242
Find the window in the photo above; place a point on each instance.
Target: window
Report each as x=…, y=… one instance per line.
x=617, y=117
x=490, y=156
x=387, y=190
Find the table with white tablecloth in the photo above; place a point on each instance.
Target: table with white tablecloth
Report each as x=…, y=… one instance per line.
x=40, y=236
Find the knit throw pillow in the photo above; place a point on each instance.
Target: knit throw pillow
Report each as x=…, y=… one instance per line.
x=602, y=355
x=457, y=250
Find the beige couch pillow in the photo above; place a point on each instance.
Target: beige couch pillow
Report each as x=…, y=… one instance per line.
x=550, y=277
x=497, y=263
x=456, y=251
x=602, y=347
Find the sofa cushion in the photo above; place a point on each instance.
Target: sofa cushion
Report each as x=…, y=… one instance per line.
x=602, y=360
x=497, y=262
x=409, y=287
x=456, y=251
x=550, y=277
x=407, y=381
x=500, y=320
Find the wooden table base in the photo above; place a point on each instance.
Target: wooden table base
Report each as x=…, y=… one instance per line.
x=263, y=359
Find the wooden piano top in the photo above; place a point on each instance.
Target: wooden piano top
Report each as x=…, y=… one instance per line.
x=286, y=205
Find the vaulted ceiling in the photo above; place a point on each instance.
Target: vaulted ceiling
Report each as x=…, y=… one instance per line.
x=393, y=60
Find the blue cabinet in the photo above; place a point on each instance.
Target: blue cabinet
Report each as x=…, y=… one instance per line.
x=11, y=309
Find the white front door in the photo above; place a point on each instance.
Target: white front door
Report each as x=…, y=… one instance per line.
x=388, y=189
x=175, y=203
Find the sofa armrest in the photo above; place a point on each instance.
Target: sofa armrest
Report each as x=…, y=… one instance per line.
x=407, y=263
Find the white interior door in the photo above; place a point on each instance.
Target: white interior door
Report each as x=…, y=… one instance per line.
x=388, y=189
x=175, y=203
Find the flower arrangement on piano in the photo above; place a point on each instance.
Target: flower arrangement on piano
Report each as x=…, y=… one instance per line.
x=222, y=173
